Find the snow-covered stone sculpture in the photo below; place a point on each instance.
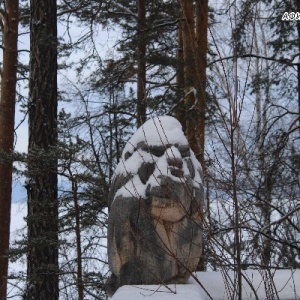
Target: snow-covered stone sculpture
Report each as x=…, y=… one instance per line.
x=155, y=208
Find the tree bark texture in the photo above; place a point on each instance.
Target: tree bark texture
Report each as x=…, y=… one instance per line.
x=180, y=109
x=194, y=34
x=141, y=73
x=298, y=66
x=194, y=24
x=7, y=118
x=42, y=220
x=80, y=283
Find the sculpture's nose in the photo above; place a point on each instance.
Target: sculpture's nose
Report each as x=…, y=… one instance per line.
x=176, y=172
x=174, y=161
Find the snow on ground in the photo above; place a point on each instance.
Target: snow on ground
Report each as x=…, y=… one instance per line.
x=219, y=286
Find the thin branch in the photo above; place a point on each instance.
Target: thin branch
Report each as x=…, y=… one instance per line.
x=282, y=218
x=126, y=11
x=2, y=19
x=285, y=61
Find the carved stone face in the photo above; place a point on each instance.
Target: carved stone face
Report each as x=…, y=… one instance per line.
x=157, y=154
x=160, y=181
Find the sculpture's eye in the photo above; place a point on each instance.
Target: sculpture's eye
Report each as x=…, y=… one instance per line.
x=145, y=171
x=127, y=155
x=157, y=152
x=184, y=150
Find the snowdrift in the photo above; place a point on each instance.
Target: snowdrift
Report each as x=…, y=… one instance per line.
x=284, y=285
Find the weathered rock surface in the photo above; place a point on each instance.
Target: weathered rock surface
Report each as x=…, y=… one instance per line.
x=155, y=213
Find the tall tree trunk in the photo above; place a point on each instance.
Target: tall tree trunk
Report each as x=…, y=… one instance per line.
x=194, y=38
x=201, y=40
x=42, y=218
x=80, y=284
x=141, y=73
x=7, y=119
x=189, y=57
x=199, y=132
x=298, y=66
x=180, y=109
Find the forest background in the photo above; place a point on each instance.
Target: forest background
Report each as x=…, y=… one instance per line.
x=228, y=70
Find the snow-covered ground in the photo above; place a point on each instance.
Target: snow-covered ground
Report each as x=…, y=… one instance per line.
x=218, y=285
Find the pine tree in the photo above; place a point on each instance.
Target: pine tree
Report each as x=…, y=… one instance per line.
x=193, y=39
x=42, y=220
x=9, y=25
x=148, y=52
x=194, y=18
x=141, y=72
